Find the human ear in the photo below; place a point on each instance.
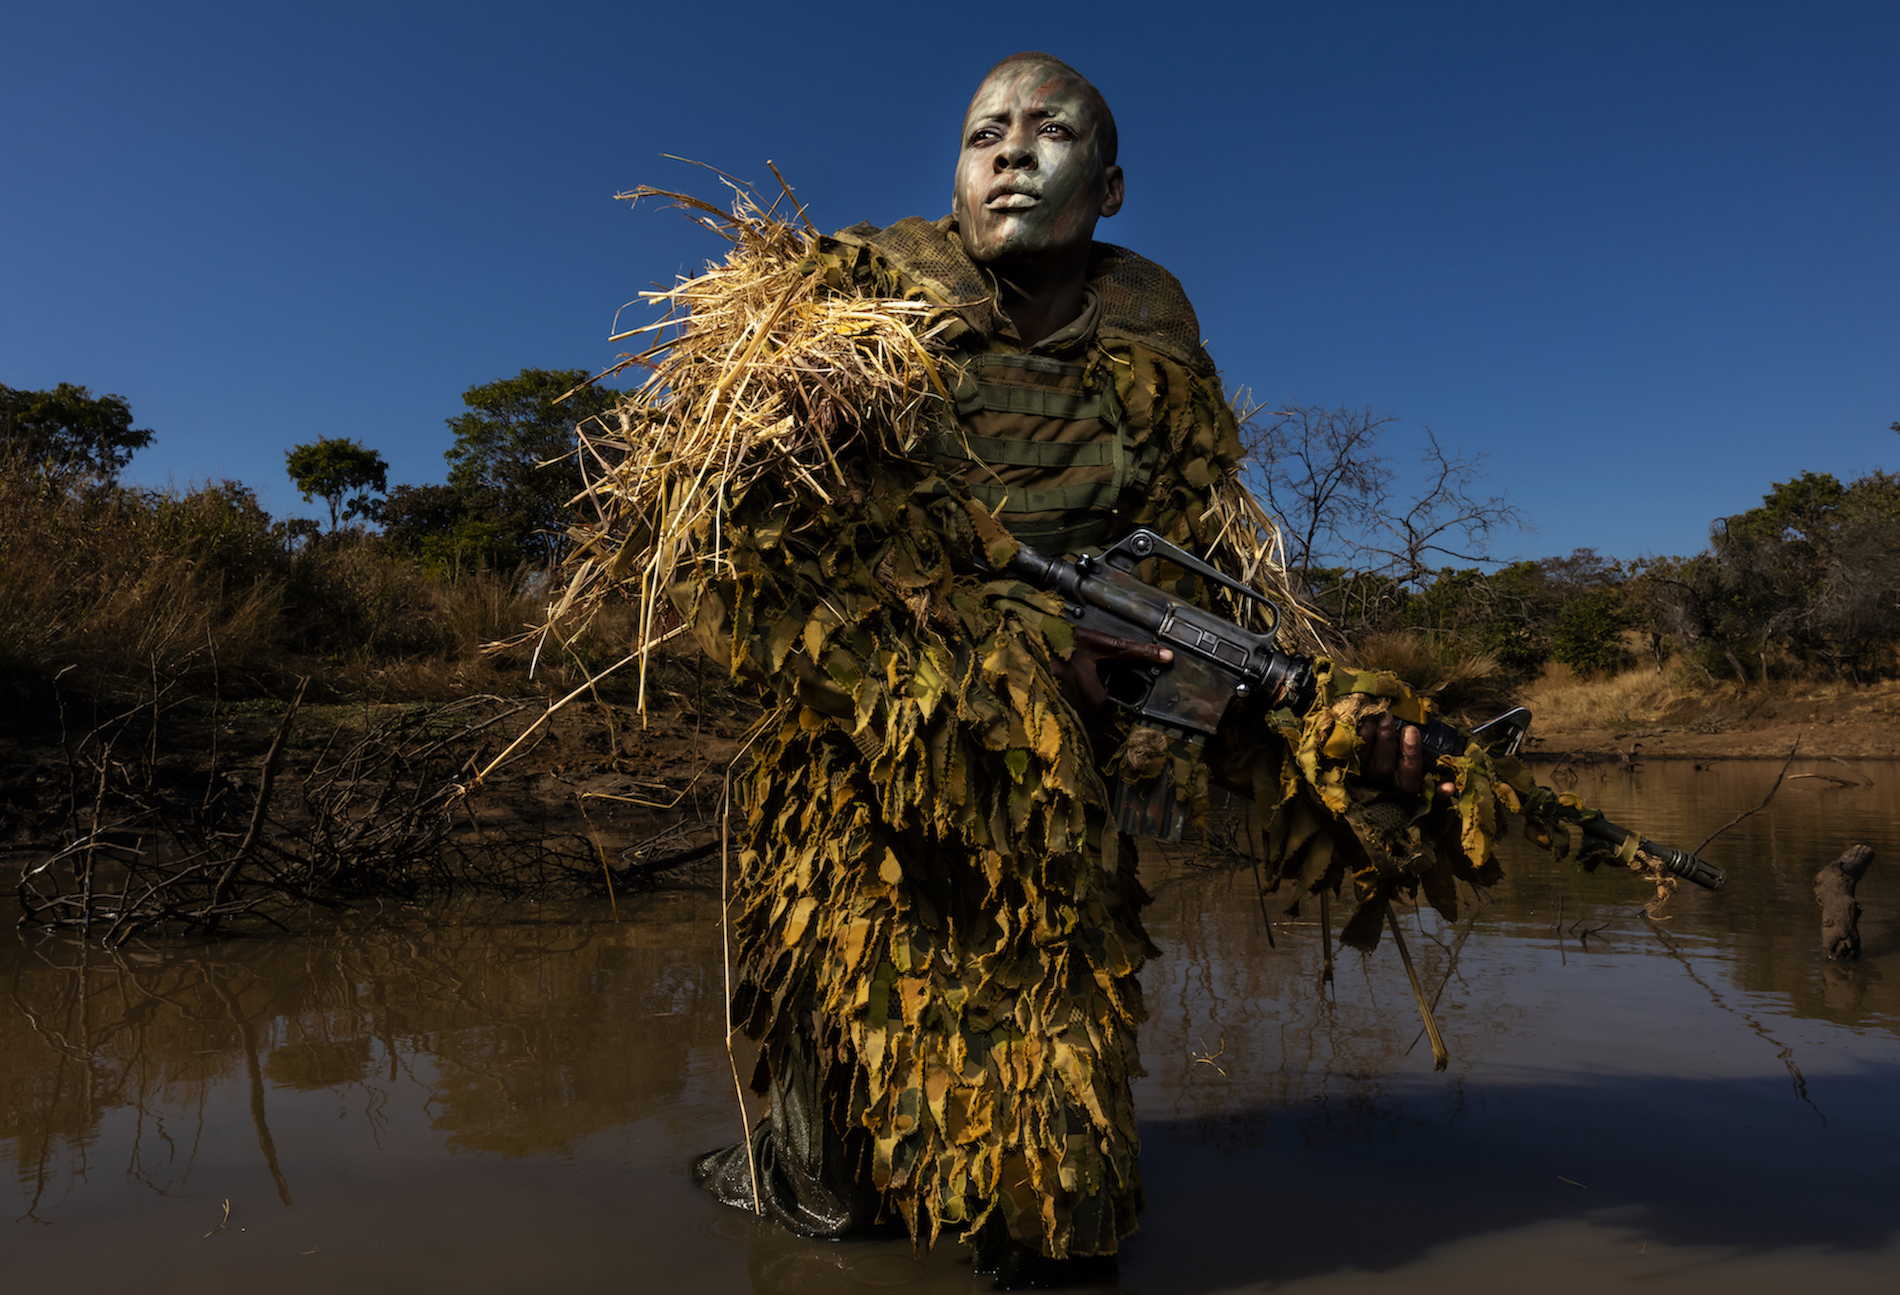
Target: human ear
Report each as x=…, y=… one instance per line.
x=1112, y=201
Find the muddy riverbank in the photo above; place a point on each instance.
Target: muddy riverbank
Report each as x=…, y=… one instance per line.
x=1635, y=717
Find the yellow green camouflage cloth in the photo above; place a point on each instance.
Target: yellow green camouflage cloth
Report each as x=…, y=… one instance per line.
x=1320, y=828
x=928, y=902
x=923, y=863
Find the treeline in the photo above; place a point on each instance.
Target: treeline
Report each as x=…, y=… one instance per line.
x=109, y=588
x=110, y=585
x=1807, y=585
x=511, y=480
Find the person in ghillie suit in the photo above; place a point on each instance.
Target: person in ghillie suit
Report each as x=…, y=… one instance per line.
x=938, y=927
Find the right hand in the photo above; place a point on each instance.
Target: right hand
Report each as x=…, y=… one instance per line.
x=1080, y=676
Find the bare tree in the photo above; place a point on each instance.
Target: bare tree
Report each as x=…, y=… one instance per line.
x=1355, y=545
x=1320, y=473
x=1410, y=545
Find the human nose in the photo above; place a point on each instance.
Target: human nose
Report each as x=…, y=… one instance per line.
x=1016, y=153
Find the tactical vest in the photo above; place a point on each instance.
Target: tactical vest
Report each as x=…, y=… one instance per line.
x=1046, y=450
x=1044, y=443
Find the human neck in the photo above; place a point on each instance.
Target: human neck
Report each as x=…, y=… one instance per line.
x=1044, y=295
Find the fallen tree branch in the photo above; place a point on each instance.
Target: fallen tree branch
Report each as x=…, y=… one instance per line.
x=1759, y=808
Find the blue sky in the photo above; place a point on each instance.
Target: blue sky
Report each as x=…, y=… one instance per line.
x=1645, y=256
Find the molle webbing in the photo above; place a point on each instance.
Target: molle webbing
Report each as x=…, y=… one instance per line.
x=1054, y=461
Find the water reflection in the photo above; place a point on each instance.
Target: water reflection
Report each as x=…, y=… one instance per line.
x=524, y=1035
x=503, y=1098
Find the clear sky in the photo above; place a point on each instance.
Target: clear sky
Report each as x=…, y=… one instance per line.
x=1644, y=255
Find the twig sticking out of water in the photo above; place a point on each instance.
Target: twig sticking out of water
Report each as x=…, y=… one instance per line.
x=1451, y=969
x=1865, y=780
x=221, y=1222
x=1759, y=808
x=1441, y=1057
x=1260, y=892
x=1583, y=935
x=1326, y=938
x=1834, y=778
x=725, y=961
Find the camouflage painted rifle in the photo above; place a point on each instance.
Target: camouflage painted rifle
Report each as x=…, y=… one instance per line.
x=1216, y=661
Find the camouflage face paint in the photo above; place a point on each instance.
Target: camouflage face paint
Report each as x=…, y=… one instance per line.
x=1030, y=184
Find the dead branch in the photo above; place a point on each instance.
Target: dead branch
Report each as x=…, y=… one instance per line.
x=375, y=814
x=1759, y=808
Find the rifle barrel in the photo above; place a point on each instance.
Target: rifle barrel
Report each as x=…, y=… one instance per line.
x=1679, y=863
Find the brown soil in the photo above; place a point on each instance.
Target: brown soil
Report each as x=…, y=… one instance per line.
x=634, y=791
x=1842, y=723
x=640, y=795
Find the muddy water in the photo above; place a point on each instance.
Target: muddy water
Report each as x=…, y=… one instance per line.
x=505, y=1099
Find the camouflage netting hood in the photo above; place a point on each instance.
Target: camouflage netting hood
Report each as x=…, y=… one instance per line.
x=926, y=888
x=1141, y=302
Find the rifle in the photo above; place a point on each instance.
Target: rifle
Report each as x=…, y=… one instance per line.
x=1217, y=661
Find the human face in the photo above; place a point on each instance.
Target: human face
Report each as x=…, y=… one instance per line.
x=1029, y=183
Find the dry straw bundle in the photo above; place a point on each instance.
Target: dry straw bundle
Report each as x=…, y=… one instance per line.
x=756, y=371
x=759, y=370
x=1248, y=545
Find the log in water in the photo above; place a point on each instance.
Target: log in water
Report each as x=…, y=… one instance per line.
x=1834, y=888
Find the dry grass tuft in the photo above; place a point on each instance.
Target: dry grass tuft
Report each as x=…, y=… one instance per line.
x=1248, y=545
x=105, y=584
x=1438, y=665
x=1644, y=698
x=1563, y=701
x=113, y=589
x=757, y=370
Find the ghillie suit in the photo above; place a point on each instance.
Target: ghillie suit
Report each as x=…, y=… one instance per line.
x=937, y=941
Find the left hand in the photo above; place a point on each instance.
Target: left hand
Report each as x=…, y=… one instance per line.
x=1396, y=757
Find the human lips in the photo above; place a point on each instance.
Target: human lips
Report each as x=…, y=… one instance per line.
x=1011, y=195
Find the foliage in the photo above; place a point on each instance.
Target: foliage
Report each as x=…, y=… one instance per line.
x=107, y=587
x=1515, y=616
x=411, y=514
x=1590, y=633
x=341, y=472
x=1806, y=580
x=115, y=584
x=512, y=466
x=435, y=525
x=69, y=430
